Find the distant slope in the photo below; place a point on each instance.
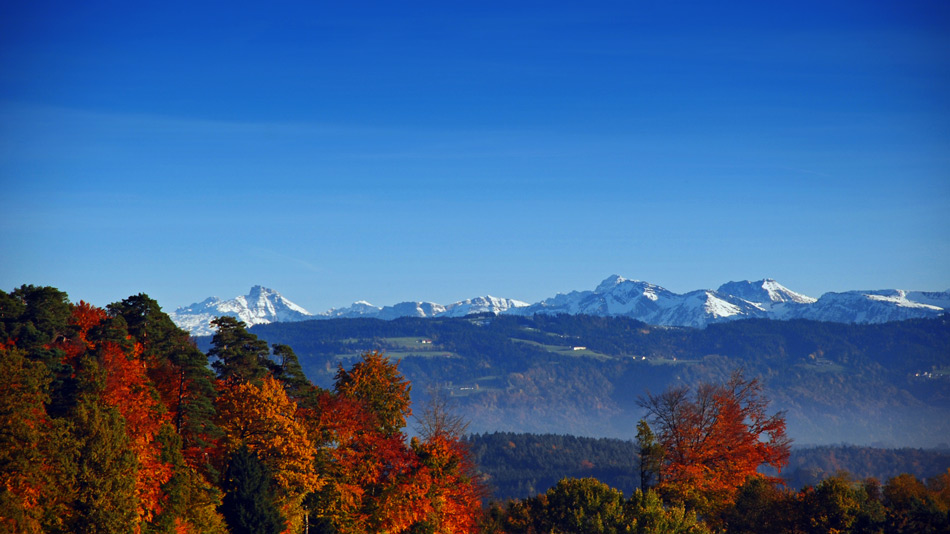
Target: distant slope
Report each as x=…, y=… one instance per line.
x=885, y=384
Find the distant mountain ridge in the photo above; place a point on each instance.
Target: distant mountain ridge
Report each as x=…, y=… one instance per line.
x=260, y=306
x=615, y=296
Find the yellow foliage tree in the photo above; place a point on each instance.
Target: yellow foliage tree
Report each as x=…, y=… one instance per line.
x=264, y=418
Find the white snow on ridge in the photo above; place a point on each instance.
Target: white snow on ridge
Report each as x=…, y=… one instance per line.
x=899, y=297
x=615, y=296
x=716, y=307
x=260, y=306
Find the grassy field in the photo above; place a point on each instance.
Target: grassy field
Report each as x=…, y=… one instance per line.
x=567, y=350
x=397, y=348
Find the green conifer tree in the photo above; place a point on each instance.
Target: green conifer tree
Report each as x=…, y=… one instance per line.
x=248, y=506
x=239, y=355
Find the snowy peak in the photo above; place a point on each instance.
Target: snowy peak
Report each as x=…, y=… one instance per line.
x=610, y=283
x=877, y=306
x=486, y=304
x=260, y=306
x=766, y=293
x=614, y=296
x=766, y=298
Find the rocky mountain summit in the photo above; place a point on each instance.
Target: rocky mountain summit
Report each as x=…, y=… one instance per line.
x=260, y=306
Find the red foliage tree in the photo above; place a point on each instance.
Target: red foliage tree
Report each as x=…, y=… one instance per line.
x=715, y=439
x=128, y=389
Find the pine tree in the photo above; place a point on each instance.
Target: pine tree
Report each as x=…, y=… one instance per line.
x=177, y=369
x=286, y=368
x=240, y=356
x=248, y=506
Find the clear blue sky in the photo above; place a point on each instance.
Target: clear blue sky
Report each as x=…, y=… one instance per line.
x=392, y=151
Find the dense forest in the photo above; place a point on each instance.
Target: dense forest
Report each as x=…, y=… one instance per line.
x=112, y=420
x=883, y=385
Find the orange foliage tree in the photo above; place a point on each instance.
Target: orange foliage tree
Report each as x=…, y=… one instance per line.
x=374, y=483
x=265, y=420
x=455, y=492
x=128, y=390
x=376, y=383
x=714, y=440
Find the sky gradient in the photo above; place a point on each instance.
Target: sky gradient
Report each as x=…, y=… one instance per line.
x=392, y=151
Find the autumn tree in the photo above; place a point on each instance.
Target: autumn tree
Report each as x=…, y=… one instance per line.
x=177, y=369
x=714, y=439
x=191, y=502
x=761, y=506
x=438, y=418
x=375, y=482
x=455, y=490
x=913, y=506
x=376, y=383
x=262, y=418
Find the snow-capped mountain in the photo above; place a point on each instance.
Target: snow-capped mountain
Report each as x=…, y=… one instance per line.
x=877, y=306
x=260, y=306
x=776, y=300
x=263, y=306
x=615, y=296
x=487, y=304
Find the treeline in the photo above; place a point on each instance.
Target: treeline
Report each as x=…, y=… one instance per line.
x=902, y=347
x=517, y=465
x=810, y=465
x=841, y=505
x=520, y=465
x=112, y=421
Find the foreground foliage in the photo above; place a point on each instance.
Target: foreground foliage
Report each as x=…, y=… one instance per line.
x=113, y=422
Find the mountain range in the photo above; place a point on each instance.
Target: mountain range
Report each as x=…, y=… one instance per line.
x=615, y=296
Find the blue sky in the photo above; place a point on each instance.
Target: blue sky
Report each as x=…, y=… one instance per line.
x=393, y=151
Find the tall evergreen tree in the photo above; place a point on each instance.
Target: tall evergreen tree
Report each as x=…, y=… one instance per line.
x=286, y=368
x=248, y=506
x=177, y=368
x=239, y=355
x=106, y=469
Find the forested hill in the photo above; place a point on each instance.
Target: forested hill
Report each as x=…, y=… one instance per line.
x=886, y=384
